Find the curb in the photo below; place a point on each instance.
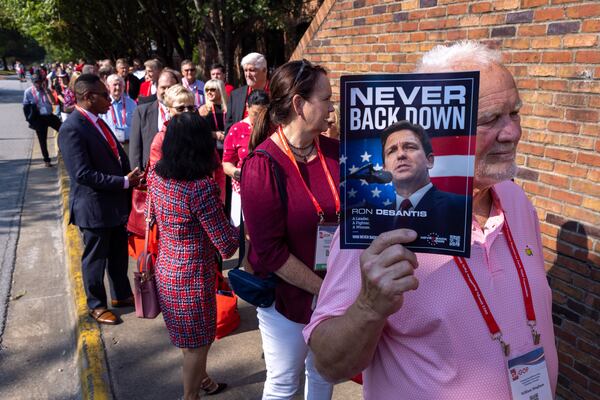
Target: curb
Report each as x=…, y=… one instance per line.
x=91, y=357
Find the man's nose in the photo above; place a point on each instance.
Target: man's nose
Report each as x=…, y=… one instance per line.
x=511, y=129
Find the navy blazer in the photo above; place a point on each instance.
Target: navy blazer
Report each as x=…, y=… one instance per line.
x=144, y=126
x=97, y=198
x=236, y=106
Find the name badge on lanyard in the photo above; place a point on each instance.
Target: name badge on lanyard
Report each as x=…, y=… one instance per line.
x=528, y=376
x=325, y=233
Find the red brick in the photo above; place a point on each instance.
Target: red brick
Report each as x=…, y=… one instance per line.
x=580, y=40
x=555, y=84
x=583, y=11
x=591, y=203
x=588, y=57
x=540, y=163
x=557, y=57
x=578, y=72
x=542, y=70
x=436, y=12
x=531, y=30
x=546, y=43
x=547, y=204
x=548, y=111
x=562, y=126
x=478, y=33
x=554, y=180
x=432, y=24
x=492, y=19
x=578, y=142
x=477, y=8
x=579, y=213
x=527, y=83
x=559, y=154
x=526, y=57
x=584, y=186
x=457, y=9
x=591, y=26
x=533, y=3
x=530, y=148
x=594, y=175
x=571, y=99
x=549, y=14
x=566, y=196
x=537, y=189
x=588, y=158
x=582, y=115
x=457, y=34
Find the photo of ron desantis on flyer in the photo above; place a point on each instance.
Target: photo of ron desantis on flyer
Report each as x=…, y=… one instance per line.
x=407, y=158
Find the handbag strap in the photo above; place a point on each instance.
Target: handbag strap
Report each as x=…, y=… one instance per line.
x=282, y=196
x=148, y=223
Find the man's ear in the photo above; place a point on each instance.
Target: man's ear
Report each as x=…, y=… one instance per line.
x=297, y=104
x=430, y=159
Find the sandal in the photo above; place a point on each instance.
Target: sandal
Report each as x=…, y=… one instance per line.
x=211, y=387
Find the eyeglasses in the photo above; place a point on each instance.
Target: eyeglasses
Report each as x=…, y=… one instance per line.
x=181, y=109
x=189, y=70
x=210, y=89
x=300, y=71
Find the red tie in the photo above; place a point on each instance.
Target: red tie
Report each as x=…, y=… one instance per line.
x=405, y=205
x=109, y=137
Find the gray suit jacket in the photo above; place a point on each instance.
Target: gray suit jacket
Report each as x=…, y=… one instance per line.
x=144, y=127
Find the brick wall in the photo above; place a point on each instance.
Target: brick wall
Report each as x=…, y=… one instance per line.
x=553, y=49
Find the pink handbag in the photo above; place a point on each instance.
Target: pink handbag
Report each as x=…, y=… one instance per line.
x=145, y=293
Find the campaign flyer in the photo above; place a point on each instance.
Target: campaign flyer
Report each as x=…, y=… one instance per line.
x=407, y=157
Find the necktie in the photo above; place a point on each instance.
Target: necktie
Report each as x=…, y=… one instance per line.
x=405, y=205
x=109, y=137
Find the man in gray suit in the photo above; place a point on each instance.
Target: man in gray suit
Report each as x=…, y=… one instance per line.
x=148, y=119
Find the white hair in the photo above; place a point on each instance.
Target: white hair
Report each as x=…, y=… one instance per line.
x=258, y=60
x=114, y=77
x=445, y=58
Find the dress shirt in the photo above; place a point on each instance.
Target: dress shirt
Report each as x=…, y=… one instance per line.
x=197, y=88
x=39, y=98
x=414, y=198
x=94, y=118
x=114, y=117
x=163, y=115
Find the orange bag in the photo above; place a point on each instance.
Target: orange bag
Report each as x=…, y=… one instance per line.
x=135, y=243
x=228, y=317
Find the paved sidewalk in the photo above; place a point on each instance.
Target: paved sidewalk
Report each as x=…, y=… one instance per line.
x=37, y=356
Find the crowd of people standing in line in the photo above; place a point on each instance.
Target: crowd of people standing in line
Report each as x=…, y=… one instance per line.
x=325, y=325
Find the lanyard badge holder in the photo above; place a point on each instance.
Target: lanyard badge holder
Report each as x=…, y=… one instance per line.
x=527, y=373
x=325, y=230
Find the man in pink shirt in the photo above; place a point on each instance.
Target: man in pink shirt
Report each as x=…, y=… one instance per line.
x=412, y=322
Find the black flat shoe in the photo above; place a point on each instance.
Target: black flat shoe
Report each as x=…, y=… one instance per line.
x=211, y=387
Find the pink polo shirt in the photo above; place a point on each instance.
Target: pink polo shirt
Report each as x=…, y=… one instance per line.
x=437, y=346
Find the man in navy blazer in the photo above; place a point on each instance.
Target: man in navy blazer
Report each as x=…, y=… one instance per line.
x=255, y=73
x=438, y=217
x=99, y=201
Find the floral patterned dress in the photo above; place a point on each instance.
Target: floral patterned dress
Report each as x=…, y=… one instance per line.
x=193, y=227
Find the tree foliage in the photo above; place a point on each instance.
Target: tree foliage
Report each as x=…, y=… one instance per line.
x=114, y=28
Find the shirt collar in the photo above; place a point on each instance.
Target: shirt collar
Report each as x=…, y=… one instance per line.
x=414, y=198
x=93, y=117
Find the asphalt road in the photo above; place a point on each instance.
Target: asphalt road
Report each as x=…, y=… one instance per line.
x=16, y=141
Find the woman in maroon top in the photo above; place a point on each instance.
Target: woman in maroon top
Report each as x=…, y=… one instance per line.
x=283, y=235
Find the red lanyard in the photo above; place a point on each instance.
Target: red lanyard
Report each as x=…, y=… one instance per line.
x=215, y=118
x=486, y=313
x=104, y=130
x=123, y=112
x=332, y=187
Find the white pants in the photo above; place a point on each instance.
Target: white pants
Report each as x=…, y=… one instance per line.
x=286, y=356
x=236, y=208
